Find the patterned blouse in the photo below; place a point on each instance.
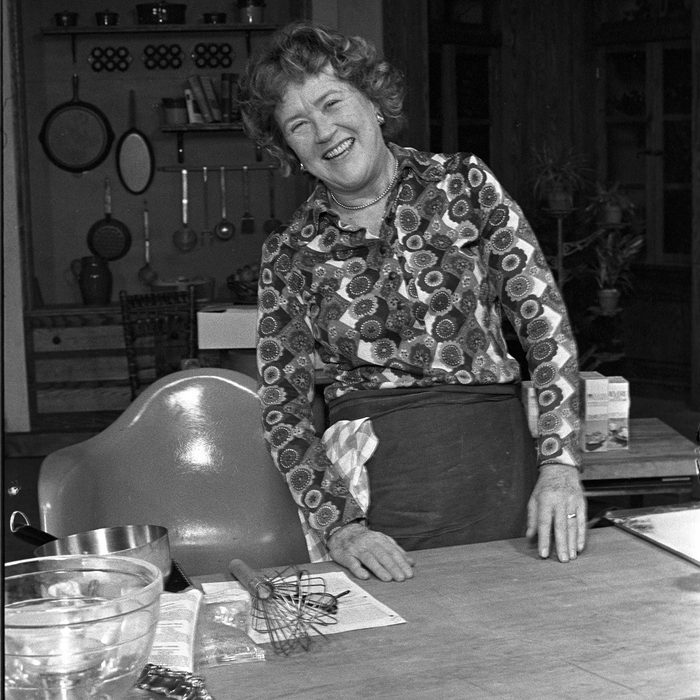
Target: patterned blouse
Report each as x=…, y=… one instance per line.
x=416, y=304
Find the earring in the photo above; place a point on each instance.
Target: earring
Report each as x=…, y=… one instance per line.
x=301, y=167
x=380, y=118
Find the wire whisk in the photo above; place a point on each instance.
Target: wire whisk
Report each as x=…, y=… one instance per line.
x=287, y=606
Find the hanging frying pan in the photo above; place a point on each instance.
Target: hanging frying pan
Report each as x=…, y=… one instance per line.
x=76, y=136
x=109, y=238
x=134, y=155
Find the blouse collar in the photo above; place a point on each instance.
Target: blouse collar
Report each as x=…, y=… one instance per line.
x=425, y=166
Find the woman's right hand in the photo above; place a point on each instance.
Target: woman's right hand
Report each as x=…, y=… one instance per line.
x=364, y=551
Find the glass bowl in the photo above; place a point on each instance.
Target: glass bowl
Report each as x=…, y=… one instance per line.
x=78, y=626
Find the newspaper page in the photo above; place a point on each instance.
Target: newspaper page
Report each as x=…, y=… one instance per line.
x=357, y=609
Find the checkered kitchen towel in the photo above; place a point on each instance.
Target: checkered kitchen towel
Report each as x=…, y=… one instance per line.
x=349, y=444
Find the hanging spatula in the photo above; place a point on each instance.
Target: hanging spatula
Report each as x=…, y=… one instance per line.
x=185, y=239
x=224, y=229
x=247, y=221
x=207, y=233
x=147, y=274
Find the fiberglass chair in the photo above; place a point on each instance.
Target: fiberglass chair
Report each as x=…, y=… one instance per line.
x=187, y=454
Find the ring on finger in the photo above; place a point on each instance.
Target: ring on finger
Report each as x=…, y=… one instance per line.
x=571, y=515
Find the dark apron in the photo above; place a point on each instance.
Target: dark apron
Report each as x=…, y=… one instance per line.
x=454, y=465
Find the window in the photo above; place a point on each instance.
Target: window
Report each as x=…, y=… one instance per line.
x=647, y=140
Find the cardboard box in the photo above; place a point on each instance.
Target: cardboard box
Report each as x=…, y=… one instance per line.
x=529, y=399
x=594, y=412
x=618, y=413
x=227, y=326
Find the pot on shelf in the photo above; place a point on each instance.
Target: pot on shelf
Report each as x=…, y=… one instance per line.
x=214, y=18
x=251, y=11
x=66, y=19
x=160, y=13
x=107, y=18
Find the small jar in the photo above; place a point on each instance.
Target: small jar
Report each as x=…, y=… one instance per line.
x=251, y=11
x=174, y=110
x=66, y=19
x=107, y=18
x=214, y=18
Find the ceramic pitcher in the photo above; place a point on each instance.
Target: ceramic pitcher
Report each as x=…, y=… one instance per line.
x=94, y=279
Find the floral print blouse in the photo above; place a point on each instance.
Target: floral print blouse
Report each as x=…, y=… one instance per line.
x=418, y=303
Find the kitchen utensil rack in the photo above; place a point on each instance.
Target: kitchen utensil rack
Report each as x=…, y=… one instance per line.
x=210, y=168
x=181, y=129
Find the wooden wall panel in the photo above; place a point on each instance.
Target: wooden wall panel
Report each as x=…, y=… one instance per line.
x=72, y=339
x=657, y=332
x=406, y=47
x=547, y=83
x=95, y=368
x=97, y=398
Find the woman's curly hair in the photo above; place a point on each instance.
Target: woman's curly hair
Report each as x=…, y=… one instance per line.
x=301, y=50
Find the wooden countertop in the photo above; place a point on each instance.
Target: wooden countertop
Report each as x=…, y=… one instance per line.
x=655, y=451
x=492, y=620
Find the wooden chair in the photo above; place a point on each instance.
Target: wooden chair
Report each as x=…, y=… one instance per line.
x=161, y=326
x=187, y=454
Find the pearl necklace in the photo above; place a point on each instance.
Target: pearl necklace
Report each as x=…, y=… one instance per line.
x=356, y=207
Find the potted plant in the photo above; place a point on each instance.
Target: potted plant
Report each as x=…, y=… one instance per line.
x=558, y=174
x=614, y=253
x=251, y=11
x=610, y=205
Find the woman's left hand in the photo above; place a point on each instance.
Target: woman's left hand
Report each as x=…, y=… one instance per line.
x=558, y=503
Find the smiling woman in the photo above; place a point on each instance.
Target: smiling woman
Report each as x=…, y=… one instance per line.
x=394, y=276
x=298, y=54
x=335, y=132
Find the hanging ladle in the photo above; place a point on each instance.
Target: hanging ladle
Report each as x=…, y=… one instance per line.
x=247, y=221
x=273, y=222
x=184, y=239
x=207, y=233
x=147, y=275
x=225, y=228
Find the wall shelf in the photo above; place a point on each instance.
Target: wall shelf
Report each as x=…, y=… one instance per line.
x=217, y=168
x=181, y=129
x=212, y=126
x=74, y=32
x=159, y=29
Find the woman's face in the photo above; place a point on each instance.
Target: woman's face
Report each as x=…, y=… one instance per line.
x=332, y=127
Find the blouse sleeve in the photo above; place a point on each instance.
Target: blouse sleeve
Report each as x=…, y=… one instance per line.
x=532, y=302
x=285, y=354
